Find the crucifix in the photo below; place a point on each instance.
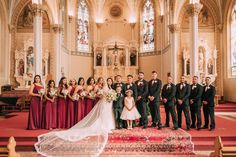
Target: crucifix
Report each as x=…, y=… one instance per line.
x=115, y=50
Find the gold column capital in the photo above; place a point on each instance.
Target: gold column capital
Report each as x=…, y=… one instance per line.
x=194, y=9
x=38, y=9
x=174, y=28
x=57, y=28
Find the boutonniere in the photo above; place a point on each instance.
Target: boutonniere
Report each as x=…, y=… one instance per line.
x=193, y=87
x=168, y=86
x=140, y=83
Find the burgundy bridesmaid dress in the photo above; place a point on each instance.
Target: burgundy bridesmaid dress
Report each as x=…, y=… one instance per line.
x=71, y=110
x=88, y=105
x=35, y=112
x=50, y=114
x=79, y=108
x=61, y=111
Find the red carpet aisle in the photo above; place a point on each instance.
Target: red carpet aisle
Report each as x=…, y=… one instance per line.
x=149, y=142
x=146, y=139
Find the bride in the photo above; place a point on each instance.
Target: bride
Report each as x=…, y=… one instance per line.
x=87, y=138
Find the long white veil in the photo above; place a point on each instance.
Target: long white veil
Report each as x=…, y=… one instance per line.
x=87, y=138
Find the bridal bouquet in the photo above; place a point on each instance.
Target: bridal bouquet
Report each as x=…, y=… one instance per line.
x=53, y=93
x=75, y=97
x=41, y=92
x=65, y=92
x=110, y=96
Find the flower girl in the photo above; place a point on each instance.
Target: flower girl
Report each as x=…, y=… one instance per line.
x=130, y=111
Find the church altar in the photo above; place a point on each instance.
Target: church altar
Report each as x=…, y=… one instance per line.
x=111, y=59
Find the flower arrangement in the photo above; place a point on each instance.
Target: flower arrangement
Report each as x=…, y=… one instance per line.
x=75, y=97
x=53, y=93
x=83, y=94
x=65, y=92
x=41, y=92
x=111, y=95
x=92, y=94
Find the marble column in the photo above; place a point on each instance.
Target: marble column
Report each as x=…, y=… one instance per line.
x=132, y=25
x=162, y=35
x=174, y=30
x=57, y=64
x=99, y=25
x=193, y=10
x=38, y=37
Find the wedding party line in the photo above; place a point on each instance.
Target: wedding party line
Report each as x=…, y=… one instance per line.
x=64, y=106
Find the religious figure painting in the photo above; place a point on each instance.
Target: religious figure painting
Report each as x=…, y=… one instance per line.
x=30, y=61
x=148, y=26
x=83, y=27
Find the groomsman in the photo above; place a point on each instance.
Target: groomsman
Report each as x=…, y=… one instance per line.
x=132, y=86
x=154, y=89
x=182, y=100
x=142, y=92
x=208, y=104
x=195, y=103
x=168, y=97
x=119, y=83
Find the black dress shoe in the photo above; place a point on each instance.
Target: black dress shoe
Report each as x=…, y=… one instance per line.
x=140, y=124
x=198, y=129
x=204, y=127
x=153, y=125
x=166, y=126
x=159, y=128
x=175, y=128
x=212, y=129
x=188, y=128
x=192, y=126
x=145, y=127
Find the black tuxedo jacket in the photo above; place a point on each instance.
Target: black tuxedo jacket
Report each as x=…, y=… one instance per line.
x=196, y=94
x=169, y=93
x=184, y=93
x=209, y=95
x=142, y=88
x=122, y=85
x=155, y=89
x=118, y=104
x=132, y=87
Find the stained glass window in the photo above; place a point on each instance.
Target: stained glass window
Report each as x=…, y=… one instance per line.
x=83, y=27
x=233, y=40
x=148, y=27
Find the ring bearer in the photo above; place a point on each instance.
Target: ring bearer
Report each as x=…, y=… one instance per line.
x=118, y=107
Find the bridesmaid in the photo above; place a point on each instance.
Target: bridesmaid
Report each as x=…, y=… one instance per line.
x=50, y=106
x=71, y=104
x=80, y=104
x=98, y=87
x=90, y=97
x=36, y=104
x=62, y=103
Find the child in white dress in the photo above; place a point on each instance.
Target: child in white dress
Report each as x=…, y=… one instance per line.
x=130, y=111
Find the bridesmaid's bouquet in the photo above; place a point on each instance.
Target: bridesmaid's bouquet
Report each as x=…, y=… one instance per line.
x=92, y=94
x=83, y=94
x=75, y=97
x=111, y=95
x=65, y=92
x=41, y=92
x=53, y=93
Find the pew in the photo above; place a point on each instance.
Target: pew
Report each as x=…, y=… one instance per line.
x=221, y=150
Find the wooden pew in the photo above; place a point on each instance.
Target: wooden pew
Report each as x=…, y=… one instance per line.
x=221, y=151
x=10, y=150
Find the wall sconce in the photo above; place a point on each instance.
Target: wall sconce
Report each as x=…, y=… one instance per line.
x=132, y=24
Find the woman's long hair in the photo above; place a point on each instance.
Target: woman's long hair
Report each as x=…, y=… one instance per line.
x=109, y=78
x=39, y=78
x=49, y=83
x=61, y=82
x=99, y=79
x=89, y=80
x=80, y=79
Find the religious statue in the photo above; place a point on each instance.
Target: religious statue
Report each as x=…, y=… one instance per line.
x=109, y=60
x=122, y=59
x=99, y=59
x=21, y=67
x=133, y=57
x=210, y=67
x=30, y=61
x=188, y=67
x=201, y=59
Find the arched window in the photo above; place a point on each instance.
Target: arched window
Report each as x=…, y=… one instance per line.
x=147, y=30
x=233, y=40
x=82, y=27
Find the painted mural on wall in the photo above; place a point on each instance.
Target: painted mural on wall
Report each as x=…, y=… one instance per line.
x=82, y=27
x=26, y=19
x=148, y=27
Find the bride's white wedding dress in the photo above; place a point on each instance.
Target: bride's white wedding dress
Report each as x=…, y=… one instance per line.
x=87, y=138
